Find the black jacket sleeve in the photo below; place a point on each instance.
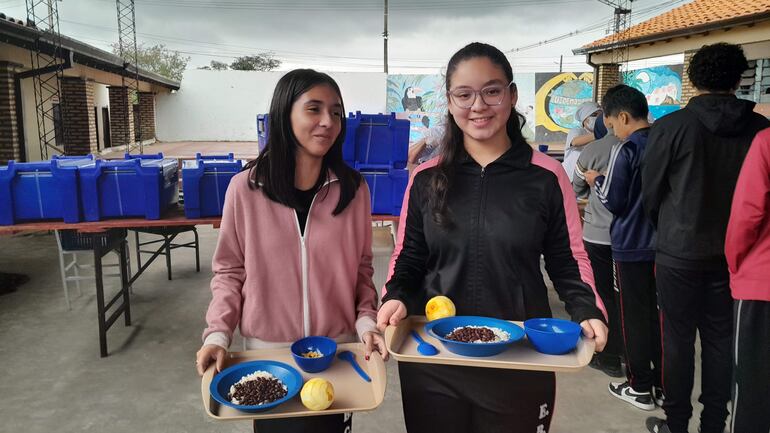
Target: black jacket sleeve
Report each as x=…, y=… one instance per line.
x=410, y=264
x=563, y=260
x=655, y=166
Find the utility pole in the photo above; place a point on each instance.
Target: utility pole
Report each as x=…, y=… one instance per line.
x=561, y=62
x=385, y=39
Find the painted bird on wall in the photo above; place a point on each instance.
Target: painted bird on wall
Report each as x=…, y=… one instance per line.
x=410, y=101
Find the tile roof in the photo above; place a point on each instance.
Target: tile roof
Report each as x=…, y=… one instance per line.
x=693, y=15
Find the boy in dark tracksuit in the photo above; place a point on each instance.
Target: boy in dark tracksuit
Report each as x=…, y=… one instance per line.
x=688, y=178
x=633, y=250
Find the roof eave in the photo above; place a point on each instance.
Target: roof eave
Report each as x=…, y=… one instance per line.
x=83, y=54
x=717, y=25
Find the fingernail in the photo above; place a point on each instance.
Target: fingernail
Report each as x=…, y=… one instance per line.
x=367, y=357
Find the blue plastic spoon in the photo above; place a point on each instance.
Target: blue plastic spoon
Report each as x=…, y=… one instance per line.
x=348, y=356
x=423, y=346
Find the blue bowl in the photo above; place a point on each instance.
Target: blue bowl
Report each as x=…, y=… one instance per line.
x=325, y=345
x=552, y=336
x=222, y=382
x=442, y=327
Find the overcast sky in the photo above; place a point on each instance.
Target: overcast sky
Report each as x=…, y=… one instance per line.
x=346, y=35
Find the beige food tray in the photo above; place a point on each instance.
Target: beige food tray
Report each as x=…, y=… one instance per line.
x=351, y=392
x=520, y=356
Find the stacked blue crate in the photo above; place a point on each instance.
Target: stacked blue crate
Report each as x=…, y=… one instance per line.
x=386, y=188
x=138, y=186
x=263, y=129
x=45, y=190
x=377, y=146
x=376, y=139
x=205, y=181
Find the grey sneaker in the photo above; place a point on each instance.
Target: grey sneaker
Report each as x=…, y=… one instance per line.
x=656, y=425
x=623, y=391
x=657, y=394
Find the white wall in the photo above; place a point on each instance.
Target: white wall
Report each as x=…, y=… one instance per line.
x=223, y=105
x=101, y=100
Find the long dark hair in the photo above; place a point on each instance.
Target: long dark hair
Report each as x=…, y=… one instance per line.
x=273, y=171
x=453, y=143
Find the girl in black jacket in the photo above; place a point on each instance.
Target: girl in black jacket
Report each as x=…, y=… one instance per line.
x=474, y=225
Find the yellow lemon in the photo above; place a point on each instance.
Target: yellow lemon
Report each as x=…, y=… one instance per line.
x=317, y=394
x=439, y=307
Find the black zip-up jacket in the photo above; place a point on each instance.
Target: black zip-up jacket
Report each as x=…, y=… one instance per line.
x=689, y=173
x=505, y=216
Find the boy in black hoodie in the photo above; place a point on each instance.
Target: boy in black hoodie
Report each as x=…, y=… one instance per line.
x=689, y=173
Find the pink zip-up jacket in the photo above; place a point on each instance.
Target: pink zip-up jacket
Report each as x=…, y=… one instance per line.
x=747, y=246
x=278, y=286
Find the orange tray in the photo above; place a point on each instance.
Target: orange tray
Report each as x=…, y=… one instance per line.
x=520, y=356
x=351, y=393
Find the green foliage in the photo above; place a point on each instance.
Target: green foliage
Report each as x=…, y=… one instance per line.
x=258, y=62
x=215, y=66
x=158, y=59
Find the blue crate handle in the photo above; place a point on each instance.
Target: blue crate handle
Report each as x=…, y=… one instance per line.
x=230, y=157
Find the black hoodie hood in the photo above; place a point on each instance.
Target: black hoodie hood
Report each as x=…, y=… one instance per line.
x=723, y=115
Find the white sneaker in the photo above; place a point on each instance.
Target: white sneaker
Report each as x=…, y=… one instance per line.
x=657, y=394
x=623, y=391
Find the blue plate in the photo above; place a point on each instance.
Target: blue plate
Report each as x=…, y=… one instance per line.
x=222, y=382
x=552, y=336
x=442, y=327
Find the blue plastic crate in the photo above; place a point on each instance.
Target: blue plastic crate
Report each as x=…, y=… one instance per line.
x=204, y=183
x=263, y=130
x=387, y=188
x=136, y=187
x=45, y=190
x=378, y=139
x=158, y=155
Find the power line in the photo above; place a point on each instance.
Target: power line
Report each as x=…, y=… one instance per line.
x=595, y=26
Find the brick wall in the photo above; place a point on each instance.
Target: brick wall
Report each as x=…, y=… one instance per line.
x=78, y=116
x=121, y=116
x=10, y=148
x=688, y=90
x=607, y=77
x=147, y=115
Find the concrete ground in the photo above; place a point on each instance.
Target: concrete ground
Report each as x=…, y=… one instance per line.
x=54, y=379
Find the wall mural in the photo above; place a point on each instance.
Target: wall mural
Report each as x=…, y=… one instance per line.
x=662, y=85
x=419, y=98
x=557, y=98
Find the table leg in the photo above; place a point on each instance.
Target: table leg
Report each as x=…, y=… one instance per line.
x=124, y=275
x=101, y=313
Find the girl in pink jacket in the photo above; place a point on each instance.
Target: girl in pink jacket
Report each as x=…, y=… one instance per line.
x=747, y=248
x=294, y=256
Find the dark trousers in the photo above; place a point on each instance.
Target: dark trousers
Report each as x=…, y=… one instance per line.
x=601, y=262
x=339, y=423
x=451, y=399
x=635, y=283
x=690, y=301
x=751, y=387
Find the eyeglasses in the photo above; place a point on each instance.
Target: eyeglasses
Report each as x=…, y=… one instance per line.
x=491, y=95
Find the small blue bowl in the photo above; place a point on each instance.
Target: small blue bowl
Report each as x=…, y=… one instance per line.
x=325, y=345
x=552, y=336
x=222, y=382
x=442, y=327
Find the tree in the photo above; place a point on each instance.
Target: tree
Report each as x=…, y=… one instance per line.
x=218, y=66
x=215, y=66
x=259, y=62
x=159, y=59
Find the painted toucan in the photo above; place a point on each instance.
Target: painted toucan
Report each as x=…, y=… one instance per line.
x=411, y=101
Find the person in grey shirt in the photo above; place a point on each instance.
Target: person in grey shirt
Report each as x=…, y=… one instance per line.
x=596, y=237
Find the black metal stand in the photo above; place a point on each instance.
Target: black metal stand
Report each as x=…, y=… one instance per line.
x=101, y=249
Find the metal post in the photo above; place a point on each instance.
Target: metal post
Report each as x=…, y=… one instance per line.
x=385, y=38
